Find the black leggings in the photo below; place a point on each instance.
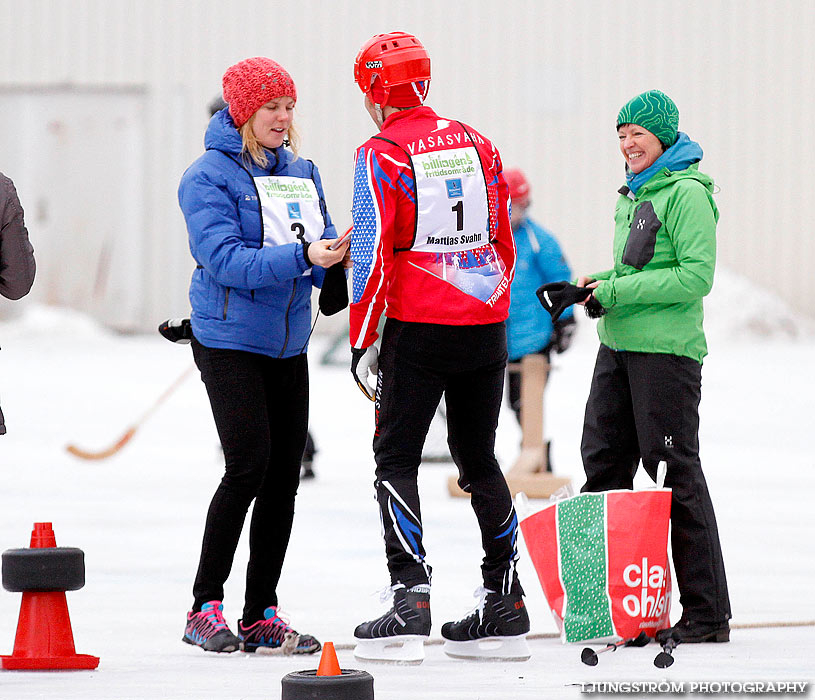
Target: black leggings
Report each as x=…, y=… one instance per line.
x=419, y=362
x=260, y=406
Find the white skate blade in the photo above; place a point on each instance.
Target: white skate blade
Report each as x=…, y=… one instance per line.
x=402, y=649
x=489, y=649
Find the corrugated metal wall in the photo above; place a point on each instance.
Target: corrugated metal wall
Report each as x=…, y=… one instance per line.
x=543, y=78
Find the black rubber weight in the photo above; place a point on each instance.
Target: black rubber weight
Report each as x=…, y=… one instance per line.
x=46, y=569
x=663, y=660
x=351, y=685
x=589, y=657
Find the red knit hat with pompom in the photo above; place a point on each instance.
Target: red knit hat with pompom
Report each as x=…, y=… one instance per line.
x=250, y=84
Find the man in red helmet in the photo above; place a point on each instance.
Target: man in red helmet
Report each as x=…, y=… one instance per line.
x=432, y=249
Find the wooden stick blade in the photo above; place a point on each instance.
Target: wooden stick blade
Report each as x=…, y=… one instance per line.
x=102, y=454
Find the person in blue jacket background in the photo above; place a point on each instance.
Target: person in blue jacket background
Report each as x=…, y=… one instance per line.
x=539, y=261
x=260, y=232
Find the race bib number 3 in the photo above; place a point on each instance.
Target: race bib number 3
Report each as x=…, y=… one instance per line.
x=291, y=210
x=452, y=201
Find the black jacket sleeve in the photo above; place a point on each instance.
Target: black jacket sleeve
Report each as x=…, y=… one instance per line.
x=17, y=265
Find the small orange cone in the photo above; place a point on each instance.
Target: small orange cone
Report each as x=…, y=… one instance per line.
x=329, y=666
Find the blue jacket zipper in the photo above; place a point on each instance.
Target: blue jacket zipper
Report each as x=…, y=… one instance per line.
x=288, y=308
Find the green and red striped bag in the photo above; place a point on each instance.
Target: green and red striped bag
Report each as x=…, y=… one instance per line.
x=602, y=561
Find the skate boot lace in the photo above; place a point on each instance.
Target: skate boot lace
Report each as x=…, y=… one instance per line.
x=386, y=594
x=480, y=594
x=400, y=616
x=386, y=598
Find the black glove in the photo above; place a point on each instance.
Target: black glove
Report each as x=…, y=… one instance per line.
x=556, y=297
x=562, y=334
x=334, y=294
x=363, y=362
x=176, y=330
x=594, y=309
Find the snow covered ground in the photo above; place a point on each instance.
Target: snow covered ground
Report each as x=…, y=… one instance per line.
x=139, y=515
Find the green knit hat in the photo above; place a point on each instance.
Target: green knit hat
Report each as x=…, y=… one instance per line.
x=654, y=111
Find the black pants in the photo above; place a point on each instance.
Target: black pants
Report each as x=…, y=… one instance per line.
x=260, y=406
x=418, y=363
x=646, y=405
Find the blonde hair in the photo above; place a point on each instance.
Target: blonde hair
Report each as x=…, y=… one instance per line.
x=254, y=151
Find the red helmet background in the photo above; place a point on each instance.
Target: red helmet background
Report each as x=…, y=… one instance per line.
x=519, y=189
x=390, y=60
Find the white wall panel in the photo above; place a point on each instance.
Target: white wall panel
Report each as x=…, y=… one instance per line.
x=543, y=78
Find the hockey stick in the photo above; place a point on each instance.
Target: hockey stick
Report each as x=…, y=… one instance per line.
x=131, y=431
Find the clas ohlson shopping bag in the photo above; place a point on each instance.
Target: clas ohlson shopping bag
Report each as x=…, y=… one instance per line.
x=602, y=561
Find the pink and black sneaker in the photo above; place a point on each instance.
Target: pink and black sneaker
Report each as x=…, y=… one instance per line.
x=208, y=630
x=273, y=635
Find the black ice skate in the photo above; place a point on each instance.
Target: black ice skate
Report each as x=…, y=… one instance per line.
x=398, y=635
x=495, y=630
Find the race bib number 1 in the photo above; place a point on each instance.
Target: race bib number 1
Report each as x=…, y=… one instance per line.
x=452, y=201
x=452, y=225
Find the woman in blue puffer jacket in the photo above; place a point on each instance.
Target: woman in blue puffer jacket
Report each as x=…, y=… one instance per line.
x=260, y=233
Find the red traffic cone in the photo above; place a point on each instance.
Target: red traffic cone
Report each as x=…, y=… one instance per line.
x=43, y=573
x=329, y=665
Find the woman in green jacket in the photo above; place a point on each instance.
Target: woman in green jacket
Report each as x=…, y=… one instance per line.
x=646, y=388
